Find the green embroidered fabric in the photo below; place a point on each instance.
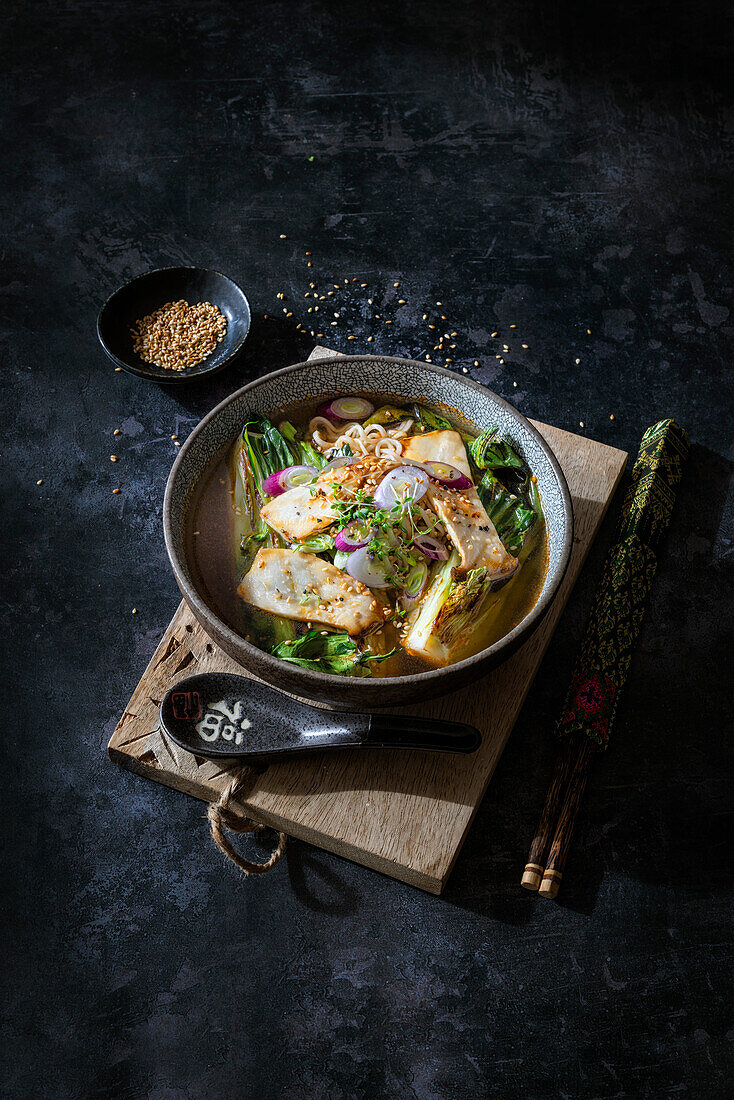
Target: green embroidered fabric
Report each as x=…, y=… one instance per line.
x=619, y=607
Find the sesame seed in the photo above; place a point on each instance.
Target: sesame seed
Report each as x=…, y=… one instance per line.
x=174, y=437
x=115, y=492
x=363, y=285
x=588, y=332
x=515, y=384
x=476, y=362
x=581, y=424
x=513, y=326
x=401, y=301
x=369, y=339
x=439, y=303
x=135, y=611
x=116, y=431
x=396, y=284
x=428, y=359
x=308, y=253
x=524, y=345
x=117, y=370
x=577, y=361
x=113, y=458
x=425, y=316
x=282, y=236
x=611, y=416
x=177, y=444
x=465, y=370
x=40, y=481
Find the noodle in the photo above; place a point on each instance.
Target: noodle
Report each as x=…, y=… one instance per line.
x=372, y=439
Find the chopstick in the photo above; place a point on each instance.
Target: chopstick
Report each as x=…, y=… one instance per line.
x=606, y=649
x=545, y=832
x=561, y=843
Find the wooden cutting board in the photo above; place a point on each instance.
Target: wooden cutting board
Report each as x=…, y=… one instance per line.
x=402, y=812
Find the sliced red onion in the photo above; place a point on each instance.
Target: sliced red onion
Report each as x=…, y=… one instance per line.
x=403, y=484
x=289, y=478
x=347, y=408
x=353, y=536
x=366, y=568
x=431, y=547
x=446, y=474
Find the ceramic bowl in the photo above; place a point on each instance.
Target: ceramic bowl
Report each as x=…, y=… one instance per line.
x=146, y=293
x=404, y=381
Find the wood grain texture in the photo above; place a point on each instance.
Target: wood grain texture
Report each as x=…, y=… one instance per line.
x=405, y=813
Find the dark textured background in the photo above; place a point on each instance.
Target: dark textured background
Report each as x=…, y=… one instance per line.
x=530, y=164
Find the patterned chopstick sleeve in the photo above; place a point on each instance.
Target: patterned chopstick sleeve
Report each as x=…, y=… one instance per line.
x=614, y=624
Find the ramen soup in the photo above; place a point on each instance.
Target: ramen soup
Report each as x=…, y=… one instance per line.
x=366, y=539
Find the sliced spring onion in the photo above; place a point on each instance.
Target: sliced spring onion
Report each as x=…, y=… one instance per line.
x=366, y=568
x=289, y=478
x=355, y=535
x=403, y=485
x=342, y=460
x=415, y=582
x=347, y=408
x=446, y=474
x=431, y=547
x=315, y=544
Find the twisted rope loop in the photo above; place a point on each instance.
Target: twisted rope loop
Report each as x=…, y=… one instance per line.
x=222, y=816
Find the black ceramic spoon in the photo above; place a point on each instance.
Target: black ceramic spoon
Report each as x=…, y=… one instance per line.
x=216, y=714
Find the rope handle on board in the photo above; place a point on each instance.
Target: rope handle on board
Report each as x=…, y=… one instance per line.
x=222, y=817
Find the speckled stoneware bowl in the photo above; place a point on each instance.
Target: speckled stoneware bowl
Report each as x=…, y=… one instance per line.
x=470, y=405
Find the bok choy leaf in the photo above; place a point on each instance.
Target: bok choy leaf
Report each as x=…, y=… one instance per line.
x=334, y=653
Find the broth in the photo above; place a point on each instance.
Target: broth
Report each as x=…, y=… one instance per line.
x=218, y=562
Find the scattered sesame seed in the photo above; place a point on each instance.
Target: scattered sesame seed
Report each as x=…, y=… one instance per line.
x=577, y=361
x=308, y=253
x=476, y=362
x=116, y=431
x=465, y=370
x=388, y=322
x=611, y=416
x=177, y=444
x=336, y=314
x=40, y=481
x=117, y=370
x=515, y=384
x=335, y=322
x=588, y=332
x=439, y=303
x=501, y=360
x=113, y=458
x=369, y=339
x=350, y=337
x=401, y=301
x=494, y=334
x=428, y=359
x=363, y=285
x=581, y=424
x=524, y=345
x=513, y=326
x=282, y=236
x=174, y=437
x=115, y=492
x=425, y=316
x=319, y=335
x=135, y=611
x=309, y=264
x=289, y=314
x=396, y=284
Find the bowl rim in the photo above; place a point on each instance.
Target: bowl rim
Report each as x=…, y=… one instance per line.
x=510, y=641
x=172, y=377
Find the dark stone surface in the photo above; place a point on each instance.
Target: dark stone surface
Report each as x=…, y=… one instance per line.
x=523, y=164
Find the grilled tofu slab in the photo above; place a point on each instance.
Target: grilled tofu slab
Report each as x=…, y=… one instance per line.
x=303, y=586
x=471, y=531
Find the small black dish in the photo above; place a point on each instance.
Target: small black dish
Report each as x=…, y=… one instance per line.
x=146, y=293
